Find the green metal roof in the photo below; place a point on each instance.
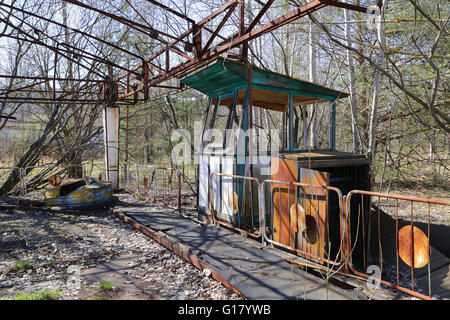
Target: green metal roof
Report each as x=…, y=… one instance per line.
x=222, y=77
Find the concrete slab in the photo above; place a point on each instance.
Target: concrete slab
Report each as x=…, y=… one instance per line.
x=245, y=264
x=115, y=272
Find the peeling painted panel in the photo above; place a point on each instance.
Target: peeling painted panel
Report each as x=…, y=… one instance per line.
x=111, y=140
x=314, y=200
x=282, y=197
x=214, y=165
x=227, y=188
x=203, y=183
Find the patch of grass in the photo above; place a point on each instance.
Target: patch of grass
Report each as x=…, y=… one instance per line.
x=22, y=265
x=108, y=286
x=44, y=295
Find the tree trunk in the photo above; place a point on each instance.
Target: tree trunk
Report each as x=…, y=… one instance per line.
x=376, y=90
x=31, y=157
x=314, y=137
x=352, y=86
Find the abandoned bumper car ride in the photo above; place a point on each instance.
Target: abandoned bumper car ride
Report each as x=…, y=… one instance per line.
x=79, y=194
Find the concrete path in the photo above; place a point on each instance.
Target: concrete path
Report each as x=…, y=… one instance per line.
x=247, y=265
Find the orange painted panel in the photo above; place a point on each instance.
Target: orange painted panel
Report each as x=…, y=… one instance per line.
x=283, y=197
x=314, y=200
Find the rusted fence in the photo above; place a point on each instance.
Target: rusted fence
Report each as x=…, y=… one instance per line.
x=350, y=232
x=234, y=203
x=159, y=184
x=319, y=223
x=34, y=177
x=302, y=221
x=398, y=243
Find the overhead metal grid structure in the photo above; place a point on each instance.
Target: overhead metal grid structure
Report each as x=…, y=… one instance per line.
x=192, y=46
x=149, y=79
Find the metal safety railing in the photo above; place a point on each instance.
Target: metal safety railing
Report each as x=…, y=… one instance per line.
x=306, y=219
x=160, y=184
x=408, y=228
x=320, y=224
x=235, y=203
x=296, y=216
x=32, y=176
x=129, y=176
x=94, y=170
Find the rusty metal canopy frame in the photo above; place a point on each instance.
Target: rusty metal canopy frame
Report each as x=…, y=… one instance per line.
x=125, y=88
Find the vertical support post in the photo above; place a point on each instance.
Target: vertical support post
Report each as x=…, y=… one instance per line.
x=291, y=121
x=145, y=76
x=155, y=185
x=244, y=52
x=111, y=131
x=111, y=138
x=137, y=178
x=197, y=39
x=332, y=127
x=345, y=234
x=125, y=167
x=283, y=128
x=305, y=127
x=179, y=190
x=250, y=121
x=262, y=212
x=167, y=60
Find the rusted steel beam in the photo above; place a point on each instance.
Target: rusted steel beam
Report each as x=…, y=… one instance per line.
x=184, y=55
x=132, y=24
x=172, y=11
x=71, y=50
x=22, y=89
x=176, y=248
x=8, y=117
x=26, y=100
x=219, y=27
x=85, y=34
x=244, y=51
x=259, y=16
x=46, y=100
x=61, y=98
x=212, y=31
x=6, y=76
x=345, y=5
x=50, y=92
x=270, y=26
x=52, y=48
x=74, y=52
x=167, y=60
x=146, y=77
x=240, y=40
x=197, y=40
x=157, y=54
x=217, y=12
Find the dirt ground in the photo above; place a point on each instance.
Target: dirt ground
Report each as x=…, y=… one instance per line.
x=438, y=214
x=97, y=256
x=94, y=256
